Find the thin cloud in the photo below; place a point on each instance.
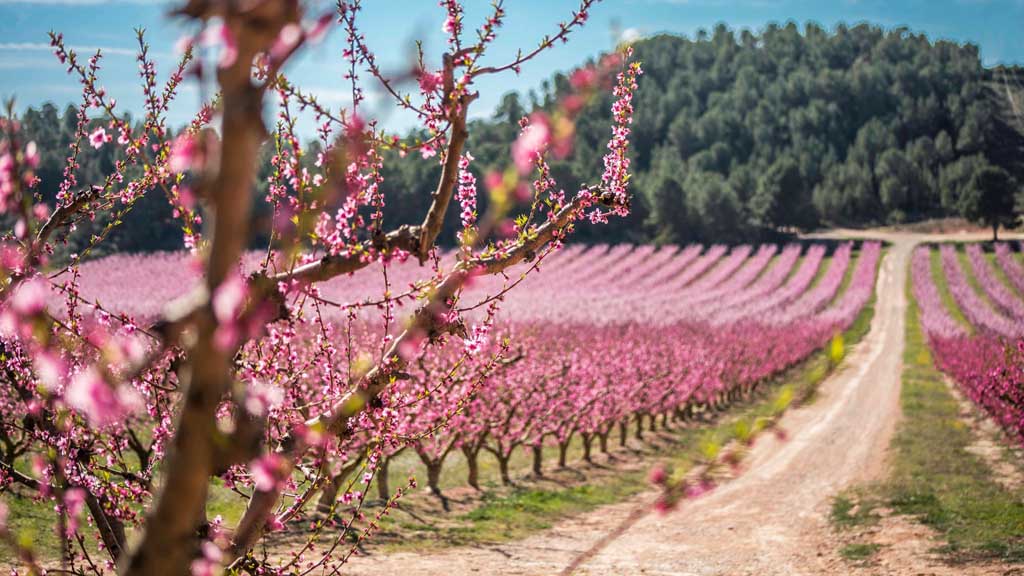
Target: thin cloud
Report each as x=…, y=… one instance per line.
x=630, y=35
x=43, y=47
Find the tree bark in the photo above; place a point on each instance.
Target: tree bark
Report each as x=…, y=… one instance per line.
x=588, y=439
x=538, y=459
x=563, y=450
x=503, y=468
x=434, y=477
x=383, y=482
x=329, y=493
x=473, y=465
x=622, y=433
x=111, y=529
x=169, y=540
x=639, y=426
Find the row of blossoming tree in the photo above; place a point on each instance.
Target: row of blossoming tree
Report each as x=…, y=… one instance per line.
x=679, y=332
x=123, y=425
x=983, y=350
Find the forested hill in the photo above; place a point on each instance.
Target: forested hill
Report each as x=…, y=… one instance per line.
x=738, y=136
x=740, y=131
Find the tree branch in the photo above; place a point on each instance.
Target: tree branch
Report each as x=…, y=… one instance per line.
x=169, y=542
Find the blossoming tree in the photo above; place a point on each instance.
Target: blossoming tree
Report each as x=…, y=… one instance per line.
x=255, y=382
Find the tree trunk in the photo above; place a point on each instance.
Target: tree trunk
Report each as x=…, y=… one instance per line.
x=639, y=426
x=434, y=477
x=111, y=529
x=167, y=545
x=503, y=468
x=383, y=483
x=602, y=440
x=664, y=420
x=622, y=433
x=563, y=449
x=538, y=459
x=654, y=422
x=587, y=440
x=329, y=493
x=473, y=463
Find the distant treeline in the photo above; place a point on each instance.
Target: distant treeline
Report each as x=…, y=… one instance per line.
x=737, y=136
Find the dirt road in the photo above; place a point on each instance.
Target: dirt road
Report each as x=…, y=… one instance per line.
x=772, y=519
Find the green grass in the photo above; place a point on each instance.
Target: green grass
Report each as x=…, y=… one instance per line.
x=972, y=280
x=852, y=511
x=859, y=552
x=526, y=511
x=1001, y=274
x=948, y=300
x=934, y=478
x=31, y=523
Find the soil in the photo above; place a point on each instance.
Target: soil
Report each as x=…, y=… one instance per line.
x=991, y=443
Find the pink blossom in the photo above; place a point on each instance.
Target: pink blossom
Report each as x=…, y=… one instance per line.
x=319, y=30
x=699, y=489
x=584, y=78
x=30, y=297
x=74, y=503
x=50, y=369
x=184, y=153
x=90, y=394
x=266, y=472
x=532, y=141
x=664, y=505
x=494, y=180
x=430, y=81
x=32, y=155
x=183, y=44
x=222, y=36
x=203, y=567
x=41, y=211
x=466, y=192
x=274, y=524
x=209, y=563
x=262, y=398
x=449, y=25
x=658, y=475
x=228, y=298
x=99, y=137
x=287, y=40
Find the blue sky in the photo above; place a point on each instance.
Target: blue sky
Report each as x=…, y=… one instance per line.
x=29, y=71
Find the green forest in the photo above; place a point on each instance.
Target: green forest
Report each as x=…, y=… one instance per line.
x=738, y=136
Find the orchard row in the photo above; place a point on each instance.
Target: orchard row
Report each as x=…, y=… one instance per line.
x=976, y=333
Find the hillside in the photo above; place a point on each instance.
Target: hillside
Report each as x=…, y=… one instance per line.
x=739, y=136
